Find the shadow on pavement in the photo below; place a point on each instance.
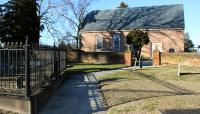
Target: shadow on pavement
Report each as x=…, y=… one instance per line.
x=181, y=111
x=78, y=95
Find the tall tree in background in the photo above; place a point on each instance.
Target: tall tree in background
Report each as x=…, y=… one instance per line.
x=46, y=16
x=137, y=39
x=188, y=44
x=20, y=20
x=123, y=5
x=75, y=12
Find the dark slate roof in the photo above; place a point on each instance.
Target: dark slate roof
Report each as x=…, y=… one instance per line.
x=151, y=17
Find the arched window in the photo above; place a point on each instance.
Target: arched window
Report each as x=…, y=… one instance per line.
x=99, y=42
x=116, y=42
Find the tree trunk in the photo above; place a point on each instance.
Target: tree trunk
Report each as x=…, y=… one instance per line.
x=139, y=53
x=78, y=48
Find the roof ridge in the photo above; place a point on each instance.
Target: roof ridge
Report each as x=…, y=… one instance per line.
x=140, y=7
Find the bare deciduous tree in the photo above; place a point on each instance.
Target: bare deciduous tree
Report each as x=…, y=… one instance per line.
x=74, y=12
x=46, y=17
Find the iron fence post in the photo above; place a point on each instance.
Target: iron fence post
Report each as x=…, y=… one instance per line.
x=27, y=71
x=54, y=61
x=66, y=59
x=59, y=62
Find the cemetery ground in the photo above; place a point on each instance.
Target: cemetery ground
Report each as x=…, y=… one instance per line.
x=152, y=90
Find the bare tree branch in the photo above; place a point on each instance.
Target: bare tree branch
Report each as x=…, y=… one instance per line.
x=46, y=20
x=75, y=12
x=71, y=21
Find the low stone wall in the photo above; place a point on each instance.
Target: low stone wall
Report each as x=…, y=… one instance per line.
x=32, y=105
x=189, y=59
x=19, y=105
x=102, y=57
x=72, y=56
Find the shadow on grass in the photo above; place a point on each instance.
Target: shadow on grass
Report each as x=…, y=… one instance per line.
x=142, y=91
x=145, y=94
x=156, y=68
x=94, y=64
x=189, y=73
x=181, y=111
x=72, y=71
x=111, y=79
x=166, y=84
x=139, y=95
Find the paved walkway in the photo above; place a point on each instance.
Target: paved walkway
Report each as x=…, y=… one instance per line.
x=78, y=95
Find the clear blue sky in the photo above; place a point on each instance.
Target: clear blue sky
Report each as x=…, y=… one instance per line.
x=191, y=11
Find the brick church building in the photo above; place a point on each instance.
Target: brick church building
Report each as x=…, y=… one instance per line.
x=106, y=30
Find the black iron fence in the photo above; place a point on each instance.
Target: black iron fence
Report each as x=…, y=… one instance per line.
x=24, y=69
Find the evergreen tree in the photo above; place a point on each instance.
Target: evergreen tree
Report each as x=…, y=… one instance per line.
x=137, y=39
x=19, y=19
x=188, y=44
x=123, y=5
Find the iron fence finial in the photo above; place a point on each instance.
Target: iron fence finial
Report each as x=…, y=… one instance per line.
x=26, y=43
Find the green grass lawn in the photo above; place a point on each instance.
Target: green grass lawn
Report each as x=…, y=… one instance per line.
x=87, y=68
x=148, y=90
